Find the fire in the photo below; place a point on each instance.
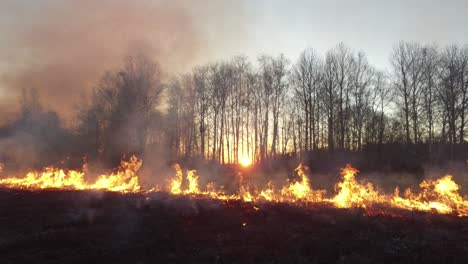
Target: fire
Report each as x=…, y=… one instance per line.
x=176, y=183
x=268, y=193
x=440, y=195
x=123, y=180
x=301, y=190
x=176, y=186
x=50, y=177
x=192, y=178
x=436, y=196
x=244, y=189
x=353, y=194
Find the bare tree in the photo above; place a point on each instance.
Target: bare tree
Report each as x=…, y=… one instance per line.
x=342, y=57
x=360, y=83
x=430, y=71
x=306, y=79
x=122, y=105
x=201, y=79
x=280, y=86
x=30, y=102
x=453, y=90
x=220, y=88
x=329, y=96
x=407, y=65
x=381, y=96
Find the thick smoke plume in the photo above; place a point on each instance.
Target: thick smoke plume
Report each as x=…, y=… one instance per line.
x=61, y=48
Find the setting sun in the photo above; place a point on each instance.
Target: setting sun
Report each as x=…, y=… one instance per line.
x=245, y=161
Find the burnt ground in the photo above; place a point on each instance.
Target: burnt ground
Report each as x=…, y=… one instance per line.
x=96, y=227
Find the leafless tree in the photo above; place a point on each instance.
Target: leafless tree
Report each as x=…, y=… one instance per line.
x=453, y=90
x=306, y=78
x=122, y=105
x=408, y=72
x=361, y=76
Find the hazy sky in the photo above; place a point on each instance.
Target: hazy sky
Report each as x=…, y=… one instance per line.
x=62, y=46
x=370, y=25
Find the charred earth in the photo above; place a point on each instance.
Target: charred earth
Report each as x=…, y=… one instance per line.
x=104, y=227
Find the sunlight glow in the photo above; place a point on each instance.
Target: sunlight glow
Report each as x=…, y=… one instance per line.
x=245, y=161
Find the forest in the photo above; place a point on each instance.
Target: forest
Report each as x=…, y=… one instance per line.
x=262, y=110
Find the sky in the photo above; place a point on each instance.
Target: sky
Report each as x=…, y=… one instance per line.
x=372, y=26
x=62, y=47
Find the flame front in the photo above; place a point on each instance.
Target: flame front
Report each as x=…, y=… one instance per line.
x=440, y=195
x=300, y=190
x=436, y=196
x=123, y=180
x=354, y=194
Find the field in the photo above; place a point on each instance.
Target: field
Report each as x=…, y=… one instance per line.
x=105, y=227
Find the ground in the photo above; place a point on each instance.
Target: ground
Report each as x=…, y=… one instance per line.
x=99, y=227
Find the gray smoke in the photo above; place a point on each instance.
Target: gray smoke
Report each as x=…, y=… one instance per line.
x=61, y=48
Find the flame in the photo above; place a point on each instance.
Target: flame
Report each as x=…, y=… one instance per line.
x=123, y=180
x=176, y=186
x=176, y=183
x=300, y=190
x=353, y=194
x=436, y=196
x=268, y=193
x=440, y=195
x=50, y=177
x=244, y=191
x=193, y=182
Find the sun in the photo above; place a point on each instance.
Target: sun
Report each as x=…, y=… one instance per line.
x=245, y=161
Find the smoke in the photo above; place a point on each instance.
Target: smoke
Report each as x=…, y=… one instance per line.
x=61, y=48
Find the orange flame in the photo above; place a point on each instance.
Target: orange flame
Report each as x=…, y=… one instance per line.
x=353, y=194
x=300, y=190
x=437, y=196
x=440, y=195
x=123, y=180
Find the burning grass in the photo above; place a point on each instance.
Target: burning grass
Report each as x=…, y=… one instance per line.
x=124, y=179
x=437, y=196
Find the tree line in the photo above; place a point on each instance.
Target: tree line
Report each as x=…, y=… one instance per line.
x=268, y=107
x=335, y=101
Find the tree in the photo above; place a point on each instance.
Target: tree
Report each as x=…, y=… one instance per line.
x=453, y=90
x=30, y=102
x=430, y=71
x=201, y=79
x=361, y=76
x=407, y=67
x=329, y=96
x=279, y=89
x=122, y=106
x=343, y=59
x=306, y=78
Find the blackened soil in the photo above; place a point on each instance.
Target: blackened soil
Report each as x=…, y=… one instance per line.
x=96, y=227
